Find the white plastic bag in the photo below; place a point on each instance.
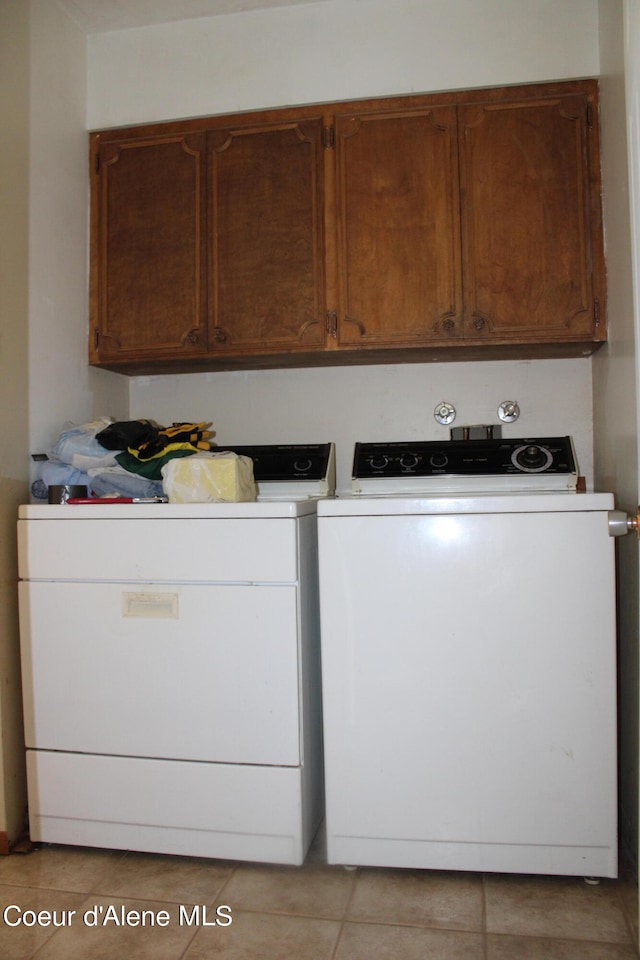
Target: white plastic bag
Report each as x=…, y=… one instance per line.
x=209, y=478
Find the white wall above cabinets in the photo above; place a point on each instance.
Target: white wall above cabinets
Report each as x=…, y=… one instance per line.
x=335, y=50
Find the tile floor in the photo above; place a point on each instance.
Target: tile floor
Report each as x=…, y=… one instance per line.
x=107, y=900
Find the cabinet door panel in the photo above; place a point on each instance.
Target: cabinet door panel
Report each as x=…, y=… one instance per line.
x=151, y=247
x=267, y=276
x=398, y=228
x=525, y=216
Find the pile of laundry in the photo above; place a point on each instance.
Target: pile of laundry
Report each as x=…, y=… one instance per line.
x=119, y=458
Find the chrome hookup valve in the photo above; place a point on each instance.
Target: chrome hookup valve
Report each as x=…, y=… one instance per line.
x=445, y=413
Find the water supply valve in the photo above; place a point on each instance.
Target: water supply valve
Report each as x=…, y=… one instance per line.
x=509, y=411
x=444, y=413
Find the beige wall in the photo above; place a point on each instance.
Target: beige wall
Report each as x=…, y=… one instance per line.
x=44, y=376
x=14, y=387
x=62, y=386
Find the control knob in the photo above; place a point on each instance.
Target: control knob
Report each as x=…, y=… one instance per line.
x=408, y=461
x=302, y=466
x=531, y=458
x=439, y=460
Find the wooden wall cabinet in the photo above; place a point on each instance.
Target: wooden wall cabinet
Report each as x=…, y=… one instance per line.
x=464, y=225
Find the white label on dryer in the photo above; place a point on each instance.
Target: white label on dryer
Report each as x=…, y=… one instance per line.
x=156, y=605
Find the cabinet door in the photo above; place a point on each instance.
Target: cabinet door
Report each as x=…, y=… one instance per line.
x=149, y=247
x=266, y=201
x=398, y=227
x=526, y=220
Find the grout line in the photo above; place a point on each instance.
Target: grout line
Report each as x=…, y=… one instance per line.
x=217, y=896
x=485, y=938
x=356, y=874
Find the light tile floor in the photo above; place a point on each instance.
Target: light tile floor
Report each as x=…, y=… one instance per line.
x=315, y=912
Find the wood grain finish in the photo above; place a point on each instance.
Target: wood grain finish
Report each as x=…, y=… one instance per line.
x=398, y=227
x=266, y=278
x=527, y=248
x=151, y=247
x=462, y=225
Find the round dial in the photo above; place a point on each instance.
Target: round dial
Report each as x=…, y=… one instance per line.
x=408, y=460
x=531, y=458
x=302, y=465
x=378, y=462
x=439, y=460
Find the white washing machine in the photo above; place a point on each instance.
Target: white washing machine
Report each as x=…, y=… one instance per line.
x=171, y=674
x=469, y=661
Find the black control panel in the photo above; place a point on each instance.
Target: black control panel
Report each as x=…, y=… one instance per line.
x=297, y=461
x=465, y=458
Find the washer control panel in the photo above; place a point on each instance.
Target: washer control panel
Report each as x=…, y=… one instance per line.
x=506, y=463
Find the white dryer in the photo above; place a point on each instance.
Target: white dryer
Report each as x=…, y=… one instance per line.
x=171, y=675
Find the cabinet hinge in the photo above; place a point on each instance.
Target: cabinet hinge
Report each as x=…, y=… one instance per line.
x=332, y=323
x=329, y=138
x=596, y=311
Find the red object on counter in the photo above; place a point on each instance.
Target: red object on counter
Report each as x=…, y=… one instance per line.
x=103, y=500
x=84, y=500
